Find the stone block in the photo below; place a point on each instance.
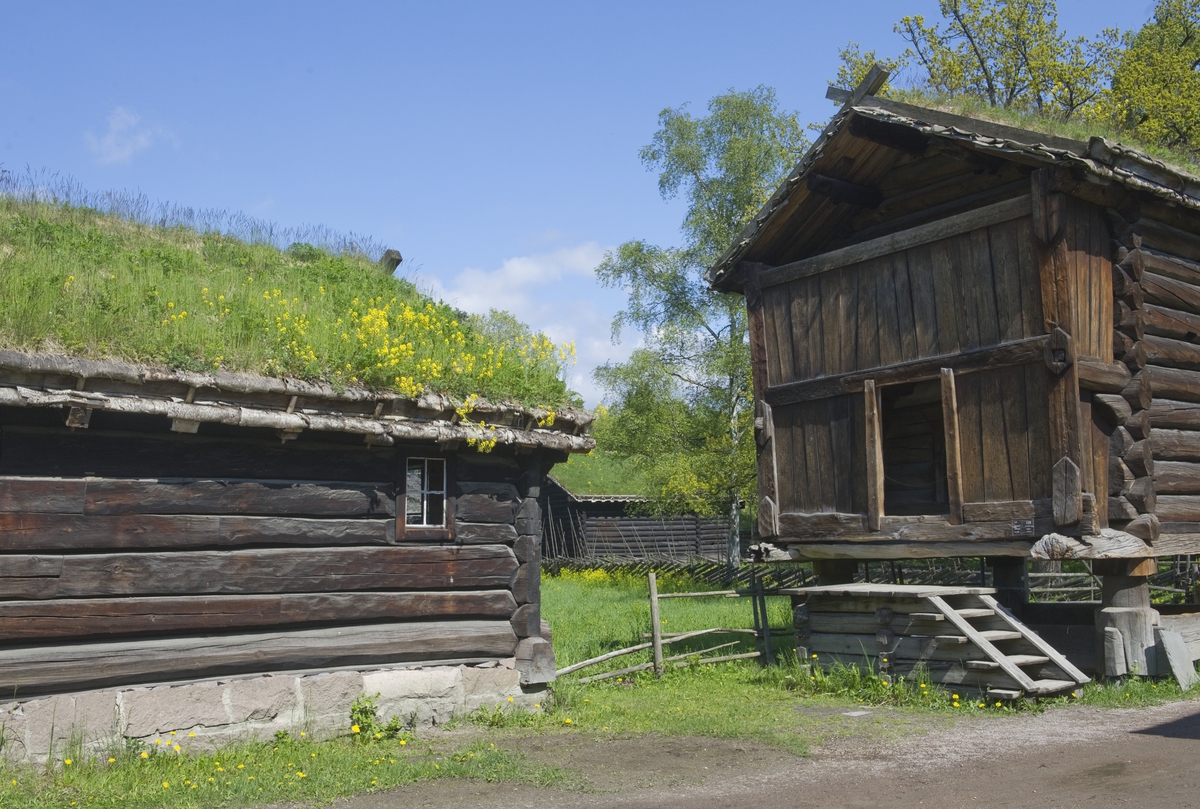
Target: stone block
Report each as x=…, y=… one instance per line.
x=262, y=699
x=327, y=698
x=161, y=709
x=420, y=697
x=490, y=687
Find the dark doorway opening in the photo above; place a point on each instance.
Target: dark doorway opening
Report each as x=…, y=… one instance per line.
x=914, y=449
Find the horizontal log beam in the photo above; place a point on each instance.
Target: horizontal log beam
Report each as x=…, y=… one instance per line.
x=266, y=570
x=1018, y=352
x=29, y=670
x=1174, y=414
x=1165, y=322
x=69, y=618
x=1175, y=445
x=242, y=497
x=1176, y=477
x=903, y=240
x=1097, y=375
x=56, y=532
x=839, y=191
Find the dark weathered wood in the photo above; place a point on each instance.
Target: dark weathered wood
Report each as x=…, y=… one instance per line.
x=874, y=449
x=1174, y=415
x=244, y=497
x=896, y=242
x=275, y=570
x=851, y=528
x=1116, y=409
x=1102, y=376
x=1178, y=507
x=484, y=533
x=1140, y=458
x=1012, y=510
x=1142, y=495
x=954, y=483
x=1068, y=504
x=41, y=495
x=483, y=507
x=1144, y=526
x=34, y=669
x=1164, y=322
x=61, y=453
x=27, y=532
x=1120, y=509
x=840, y=191
x=1139, y=392
x=69, y=618
x=303, y=531
x=1171, y=353
x=1020, y=352
x=526, y=584
x=1170, y=293
x=527, y=621
x=528, y=548
x=1171, y=266
x=1175, y=445
x=1162, y=237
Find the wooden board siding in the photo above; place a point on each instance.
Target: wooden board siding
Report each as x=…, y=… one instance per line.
x=820, y=455
x=916, y=304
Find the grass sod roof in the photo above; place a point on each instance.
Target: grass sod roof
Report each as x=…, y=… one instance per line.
x=175, y=301
x=1097, y=159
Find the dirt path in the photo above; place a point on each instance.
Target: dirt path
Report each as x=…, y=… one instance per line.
x=1063, y=758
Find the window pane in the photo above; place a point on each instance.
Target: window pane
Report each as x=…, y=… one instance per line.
x=413, y=509
x=437, y=475
x=416, y=475
x=435, y=505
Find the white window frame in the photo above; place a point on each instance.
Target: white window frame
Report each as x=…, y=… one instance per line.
x=424, y=493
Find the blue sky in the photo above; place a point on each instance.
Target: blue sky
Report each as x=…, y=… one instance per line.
x=495, y=145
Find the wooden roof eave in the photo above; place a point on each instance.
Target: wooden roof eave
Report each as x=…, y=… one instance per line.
x=288, y=405
x=1099, y=161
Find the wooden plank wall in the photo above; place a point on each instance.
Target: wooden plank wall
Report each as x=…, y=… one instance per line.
x=145, y=540
x=916, y=304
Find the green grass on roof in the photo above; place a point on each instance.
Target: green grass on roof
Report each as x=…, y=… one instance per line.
x=1079, y=129
x=600, y=473
x=78, y=281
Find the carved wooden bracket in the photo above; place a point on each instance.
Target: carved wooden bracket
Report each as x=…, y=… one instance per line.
x=1060, y=354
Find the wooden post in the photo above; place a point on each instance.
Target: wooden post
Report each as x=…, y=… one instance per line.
x=954, y=487
x=1010, y=581
x=1125, y=606
x=874, y=445
x=655, y=627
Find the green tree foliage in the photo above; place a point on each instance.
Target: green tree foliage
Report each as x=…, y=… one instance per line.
x=681, y=404
x=1011, y=53
x=1156, y=83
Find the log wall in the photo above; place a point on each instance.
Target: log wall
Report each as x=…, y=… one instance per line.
x=137, y=555
x=1154, y=469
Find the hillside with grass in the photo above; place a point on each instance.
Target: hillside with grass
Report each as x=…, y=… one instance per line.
x=76, y=280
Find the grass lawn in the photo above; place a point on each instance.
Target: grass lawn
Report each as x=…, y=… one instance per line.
x=788, y=706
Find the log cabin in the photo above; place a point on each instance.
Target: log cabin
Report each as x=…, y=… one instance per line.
x=971, y=339
x=160, y=525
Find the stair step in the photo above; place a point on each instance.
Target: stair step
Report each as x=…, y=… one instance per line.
x=1001, y=634
x=979, y=613
x=1054, y=686
x=1004, y=693
x=1020, y=660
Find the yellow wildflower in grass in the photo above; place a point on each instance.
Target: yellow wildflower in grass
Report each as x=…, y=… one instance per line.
x=354, y=729
x=67, y=762
x=166, y=785
x=112, y=761
x=145, y=754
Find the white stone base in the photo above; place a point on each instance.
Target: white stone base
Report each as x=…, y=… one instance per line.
x=252, y=708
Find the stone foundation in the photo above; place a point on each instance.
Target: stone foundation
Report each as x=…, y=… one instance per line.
x=207, y=714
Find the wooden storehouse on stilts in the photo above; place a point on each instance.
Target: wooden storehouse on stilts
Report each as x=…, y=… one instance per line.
x=162, y=525
x=970, y=339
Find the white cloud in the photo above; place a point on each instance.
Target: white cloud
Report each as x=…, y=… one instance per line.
x=554, y=292
x=124, y=137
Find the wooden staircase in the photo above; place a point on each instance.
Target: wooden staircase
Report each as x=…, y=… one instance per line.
x=960, y=636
